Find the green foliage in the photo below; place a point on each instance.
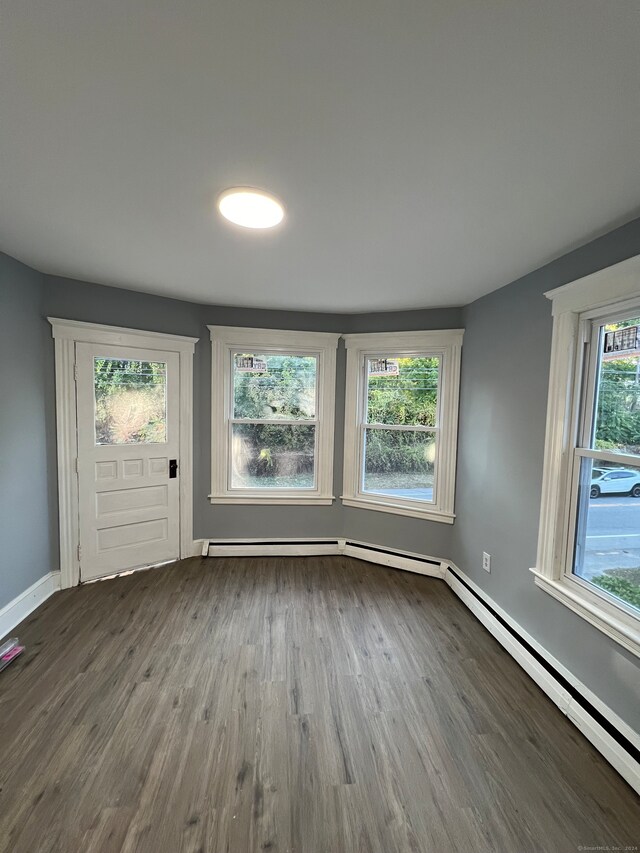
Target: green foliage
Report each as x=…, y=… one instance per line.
x=618, y=415
x=605, y=444
x=618, y=424
x=620, y=587
x=390, y=451
x=410, y=399
x=111, y=374
x=273, y=450
x=286, y=391
x=129, y=401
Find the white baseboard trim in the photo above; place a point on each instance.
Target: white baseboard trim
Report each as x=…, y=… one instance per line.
x=15, y=611
x=408, y=561
x=197, y=548
x=571, y=705
x=270, y=547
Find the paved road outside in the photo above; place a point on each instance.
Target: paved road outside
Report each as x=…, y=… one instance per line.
x=613, y=535
x=415, y=494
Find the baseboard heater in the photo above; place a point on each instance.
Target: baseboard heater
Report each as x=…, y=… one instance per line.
x=606, y=737
x=270, y=547
x=406, y=560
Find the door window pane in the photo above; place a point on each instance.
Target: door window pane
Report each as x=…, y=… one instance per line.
x=130, y=401
x=399, y=463
x=617, y=425
x=272, y=456
x=281, y=387
x=402, y=391
x=607, y=550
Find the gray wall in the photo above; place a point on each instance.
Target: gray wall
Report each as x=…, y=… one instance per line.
x=28, y=551
x=76, y=300
x=505, y=365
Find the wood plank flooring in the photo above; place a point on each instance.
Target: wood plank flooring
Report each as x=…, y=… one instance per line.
x=318, y=705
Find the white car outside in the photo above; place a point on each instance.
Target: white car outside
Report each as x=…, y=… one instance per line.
x=617, y=481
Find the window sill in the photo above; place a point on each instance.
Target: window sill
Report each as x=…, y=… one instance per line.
x=620, y=627
x=272, y=500
x=427, y=514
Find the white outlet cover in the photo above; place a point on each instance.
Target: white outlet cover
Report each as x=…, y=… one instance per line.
x=486, y=561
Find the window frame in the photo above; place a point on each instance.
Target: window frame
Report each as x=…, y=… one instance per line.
x=443, y=344
x=577, y=309
x=321, y=345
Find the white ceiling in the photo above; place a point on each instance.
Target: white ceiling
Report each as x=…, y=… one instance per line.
x=428, y=151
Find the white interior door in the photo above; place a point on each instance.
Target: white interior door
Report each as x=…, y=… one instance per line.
x=128, y=444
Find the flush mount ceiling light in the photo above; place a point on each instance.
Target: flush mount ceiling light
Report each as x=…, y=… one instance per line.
x=250, y=207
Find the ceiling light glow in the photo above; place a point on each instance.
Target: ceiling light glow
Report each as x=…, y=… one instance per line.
x=250, y=208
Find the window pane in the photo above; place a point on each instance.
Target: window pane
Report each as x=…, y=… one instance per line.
x=269, y=456
x=607, y=551
x=402, y=391
x=274, y=386
x=130, y=401
x=399, y=463
x=618, y=390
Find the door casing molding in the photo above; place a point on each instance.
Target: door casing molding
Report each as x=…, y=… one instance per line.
x=66, y=334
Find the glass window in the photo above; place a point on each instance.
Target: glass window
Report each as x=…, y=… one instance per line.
x=274, y=387
x=607, y=550
x=272, y=456
x=273, y=424
x=399, y=463
x=272, y=416
x=617, y=417
x=405, y=393
x=401, y=422
x=130, y=401
x=607, y=528
x=399, y=435
x=588, y=554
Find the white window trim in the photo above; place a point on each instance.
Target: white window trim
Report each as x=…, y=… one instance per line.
x=66, y=334
x=615, y=288
x=447, y=344
x=224, y=339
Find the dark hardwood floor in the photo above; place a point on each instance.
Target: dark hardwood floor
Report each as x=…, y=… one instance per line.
x=323, y=705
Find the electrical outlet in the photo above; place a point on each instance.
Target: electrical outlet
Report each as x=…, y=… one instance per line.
x=486, y=561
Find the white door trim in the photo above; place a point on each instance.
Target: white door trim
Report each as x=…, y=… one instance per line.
x=66, y=334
